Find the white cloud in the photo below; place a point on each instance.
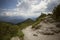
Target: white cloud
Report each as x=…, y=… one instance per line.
x=33, y=5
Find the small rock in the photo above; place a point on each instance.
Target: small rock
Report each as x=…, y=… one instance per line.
x=38, y=26
x=35, y=35
x=56, y=30
x=58, y=25
x=47, y=33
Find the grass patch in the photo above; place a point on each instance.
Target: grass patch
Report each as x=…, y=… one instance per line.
x=7, y=31
x=20, y=34
x=38, y=20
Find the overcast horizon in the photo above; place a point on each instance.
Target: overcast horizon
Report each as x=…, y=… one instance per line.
x=23, y=9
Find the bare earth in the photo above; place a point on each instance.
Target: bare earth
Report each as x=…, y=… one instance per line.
x=29, y=35
x=46, y=31
x=15, y=38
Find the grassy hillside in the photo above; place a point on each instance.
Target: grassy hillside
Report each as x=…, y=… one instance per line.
x=25, y=23
x=39, y=19
x=8, y=30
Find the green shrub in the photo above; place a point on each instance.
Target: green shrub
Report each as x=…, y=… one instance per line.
x=20, y=34
x=56, y=13
x=39, y=19
x=7, y=31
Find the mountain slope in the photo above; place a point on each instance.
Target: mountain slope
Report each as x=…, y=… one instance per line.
x=39, y=19
x=25, y=23
x=44, y=30
x=9, y=30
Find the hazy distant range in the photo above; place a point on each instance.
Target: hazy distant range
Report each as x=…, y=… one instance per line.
x=14, y=19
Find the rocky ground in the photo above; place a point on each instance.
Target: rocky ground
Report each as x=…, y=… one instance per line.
x=37, y=35
x=45, y=30
x=15, y=38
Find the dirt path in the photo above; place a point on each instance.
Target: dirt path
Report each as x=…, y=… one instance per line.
x=29, y=35
x=15, y=38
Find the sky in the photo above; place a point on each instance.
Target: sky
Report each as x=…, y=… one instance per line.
x=26, y=8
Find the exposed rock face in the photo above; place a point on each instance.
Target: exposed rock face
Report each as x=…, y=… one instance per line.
x=45, y=30
x=48, y=27
x=30, y=34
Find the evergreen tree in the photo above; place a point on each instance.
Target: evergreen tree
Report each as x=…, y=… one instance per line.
x=56, y=13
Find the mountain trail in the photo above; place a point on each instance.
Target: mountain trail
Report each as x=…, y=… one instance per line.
x=30, y=34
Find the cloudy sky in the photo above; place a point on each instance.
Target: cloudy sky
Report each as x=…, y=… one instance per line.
x=26, y=8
